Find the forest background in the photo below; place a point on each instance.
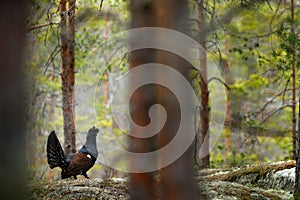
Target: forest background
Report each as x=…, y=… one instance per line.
x=255, y=45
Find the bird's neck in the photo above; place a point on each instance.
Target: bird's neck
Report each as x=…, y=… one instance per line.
x=90, y=140
x=91, y=145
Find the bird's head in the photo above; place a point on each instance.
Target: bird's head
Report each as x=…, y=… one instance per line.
x=93, y=131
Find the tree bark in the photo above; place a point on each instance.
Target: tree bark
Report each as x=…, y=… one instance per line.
x=297, y=170
x=204, y=108
x=68, y=73
x=142, y=185
x=176, y=180
x=296, y=152
x=294, y=121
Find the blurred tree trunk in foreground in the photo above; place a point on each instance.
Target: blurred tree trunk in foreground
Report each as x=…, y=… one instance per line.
x=176, y=181
x=12, y=113
x=142, y=185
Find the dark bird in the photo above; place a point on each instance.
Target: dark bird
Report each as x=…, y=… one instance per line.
x=73, y=164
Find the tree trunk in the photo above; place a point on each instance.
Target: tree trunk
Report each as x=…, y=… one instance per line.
x=296, y=152
x=176, y=180
x=294, y=121
x=297, y=172
x=12, y=104
x=142, y=185
x=204, y=109
x=51, y=116
x=228, y=81
x=68, y=77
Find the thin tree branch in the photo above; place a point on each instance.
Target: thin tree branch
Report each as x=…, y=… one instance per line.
x=252, y=37
x=285, y=89
x=41, y=26
x=55, y=72
x=101, y=4
x=269, y=4
x=273, y=98
x=194, y=20
x=51, y=57
x=73, y=104
x=211, y=79
x=274, y=112
x=200, y=75
x=218, y=79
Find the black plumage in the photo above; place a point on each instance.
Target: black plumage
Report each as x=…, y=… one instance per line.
x=73, y=164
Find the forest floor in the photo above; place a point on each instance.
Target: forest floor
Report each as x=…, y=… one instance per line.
x=258, y=182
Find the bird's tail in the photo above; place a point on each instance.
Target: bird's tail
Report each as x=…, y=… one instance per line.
x=55, y=153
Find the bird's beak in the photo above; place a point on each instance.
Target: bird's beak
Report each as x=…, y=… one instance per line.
x=96, y=130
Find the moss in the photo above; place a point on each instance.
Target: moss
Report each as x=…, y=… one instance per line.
x=228, y=189
x=213, y=184
x=79, y=189
x=297, y=196
x=256, y=171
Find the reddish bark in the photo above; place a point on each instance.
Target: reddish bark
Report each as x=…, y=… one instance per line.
x=68, y=75
x=142, y=185
x=176, y=180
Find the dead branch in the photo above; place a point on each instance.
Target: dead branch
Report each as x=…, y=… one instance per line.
x=260, y=170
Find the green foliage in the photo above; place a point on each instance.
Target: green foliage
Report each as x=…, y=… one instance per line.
x=289, y=43
x=297, y=196
x=94, y=47
x=260, y=69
